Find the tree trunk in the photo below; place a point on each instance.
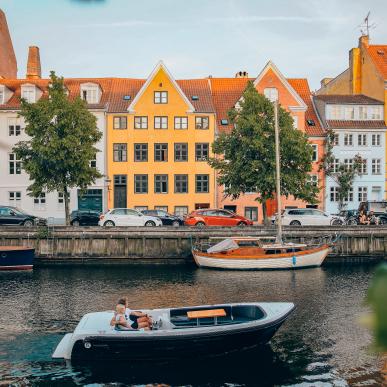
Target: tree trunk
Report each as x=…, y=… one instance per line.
x=66, y=203
x=264, y=213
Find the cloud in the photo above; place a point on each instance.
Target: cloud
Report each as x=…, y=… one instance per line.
x=253, y=19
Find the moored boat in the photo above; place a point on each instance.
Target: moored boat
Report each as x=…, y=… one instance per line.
x=16, y=258
x=253, y=253
x=182, y=332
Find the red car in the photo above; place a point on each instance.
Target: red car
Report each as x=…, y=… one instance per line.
x=207, y=217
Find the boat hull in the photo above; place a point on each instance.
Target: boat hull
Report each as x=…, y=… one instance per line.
x=302, y=259
x=16, y=258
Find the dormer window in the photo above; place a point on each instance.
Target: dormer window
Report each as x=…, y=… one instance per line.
x=161, y=97
x=271, y=93
x=28, y=92
x=90, y=93
x=2, y=95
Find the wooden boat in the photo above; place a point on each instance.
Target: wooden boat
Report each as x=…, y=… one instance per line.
x=16, y=258
x=253, y=253
x=182, y=332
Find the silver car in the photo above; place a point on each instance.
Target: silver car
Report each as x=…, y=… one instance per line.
x=308, y=217
x=128, y=217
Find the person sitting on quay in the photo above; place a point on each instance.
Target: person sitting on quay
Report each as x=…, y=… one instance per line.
x=372, y=218
x=363, y=219
x=133, y=319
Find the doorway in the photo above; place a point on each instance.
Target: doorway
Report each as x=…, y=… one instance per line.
x=120, y=191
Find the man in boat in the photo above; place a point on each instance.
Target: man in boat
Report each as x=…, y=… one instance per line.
x=135, y=318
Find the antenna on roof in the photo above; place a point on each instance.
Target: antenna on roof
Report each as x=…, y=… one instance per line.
x=365, y=27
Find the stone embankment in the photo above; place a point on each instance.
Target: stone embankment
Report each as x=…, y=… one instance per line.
x=168, y=245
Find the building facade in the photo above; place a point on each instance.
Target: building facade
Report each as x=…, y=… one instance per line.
x=160, y=133
x=359, y=128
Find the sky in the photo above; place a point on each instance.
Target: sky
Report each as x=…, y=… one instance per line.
x=126, y=38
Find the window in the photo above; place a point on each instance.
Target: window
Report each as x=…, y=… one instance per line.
x=295, y=126
x=202, y=122
x=334, y=194
x=181, y=183
x=348, y=164
x=315, y=152
x=336, y=140
x=2, y=95
x=362, y=194
x=14, y=127
x=90, y=93
x=181, y=122
x=251, y=213
x=349, y=113
x=376, y=113
x=141, y=208
x=181, y=152
x=140, y=183
x=348, y=139
x=161, y=152
x=362, y=112
x=335, y=165
x=376, y=139
x=61, y=199
x=14, y=198
x=335, y=112
x=28, y=93
x=363, y=168
x=120, y=122
x=362, y=139
x=14, y=165
x=40, y=202
x=119, y=152
x=140, y=152
x=313, y=179
x=376, y=166
x=181, y=210
x=161, y=97
x=271, y=93
x=93, y=162
x=161, y=183
x=202, y=183
x=349, y=197
x=162, y=208
x=161, y=122
x=141, y=122
x=201, y=151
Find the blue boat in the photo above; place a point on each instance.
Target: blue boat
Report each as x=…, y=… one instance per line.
x=16, y=258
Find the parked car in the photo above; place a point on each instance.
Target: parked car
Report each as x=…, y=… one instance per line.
x=84, y=218
x=12, y=216
x=166, y=218
x=207, y=217
x=128, y=217
x=352, y=217
x=309, y=217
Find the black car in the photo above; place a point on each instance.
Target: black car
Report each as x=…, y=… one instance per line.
x=165, y=217
x=84, y=218
x=12, y=216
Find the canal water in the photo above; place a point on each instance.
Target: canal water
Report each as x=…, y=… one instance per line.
x=322, y=343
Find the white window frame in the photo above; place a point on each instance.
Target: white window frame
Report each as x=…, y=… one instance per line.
x=348, y=163
x=271, y=93
x=40, y=202
x=161, y=208
x=140, y=122
x=16, y=163
x=376, y=166
x=362, y=137
x=161, y=122
x=15, y=124
x=295, y=122
x=375, y=113
x=14, y=198
x=140, y=208
x=363, y=113
x=334, y=194
x=364, y=167
x=376, y=140
x=335, y=165
x=92, y=91
x=181, y=210
x=315, y=152
x=28, y=92
x=335, y=112
x=313, y=179
x=348, y=139
x=362, y=194
x=2, y=95
x=181, y=122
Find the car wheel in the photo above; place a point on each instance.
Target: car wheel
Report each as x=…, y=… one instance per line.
x=150, y=223
x=295, y=223
x=75, y=223
x=241, y=224
x=109, y=223
x=28, y=223
x=175, y=223
x=336, y=222
x=200, y=224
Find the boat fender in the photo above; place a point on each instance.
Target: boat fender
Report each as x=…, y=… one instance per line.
x=294, y=260
x=87, y=345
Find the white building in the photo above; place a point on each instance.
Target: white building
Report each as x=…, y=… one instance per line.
x=13, y=180
x=359, y=128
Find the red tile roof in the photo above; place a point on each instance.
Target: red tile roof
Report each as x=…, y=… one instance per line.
x=378, y=53
x=301, y=86
x=348, y=99
x=349, y=124
x=200, y=88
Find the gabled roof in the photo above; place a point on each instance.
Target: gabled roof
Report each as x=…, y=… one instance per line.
x=301, y=86
x=378, y=54
x=160, y=66
x=348, y=99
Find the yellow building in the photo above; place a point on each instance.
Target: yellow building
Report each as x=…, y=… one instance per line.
x=159, y=136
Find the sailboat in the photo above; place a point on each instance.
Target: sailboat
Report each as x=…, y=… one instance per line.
x=256, y=252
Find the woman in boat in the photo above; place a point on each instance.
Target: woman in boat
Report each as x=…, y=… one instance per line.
x=134, y=319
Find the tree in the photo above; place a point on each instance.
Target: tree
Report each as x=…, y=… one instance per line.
x=63, y=134
x=245, y=158
x=342, y=174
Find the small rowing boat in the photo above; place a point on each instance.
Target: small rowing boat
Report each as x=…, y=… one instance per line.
x=16, y=258
x=181, y=332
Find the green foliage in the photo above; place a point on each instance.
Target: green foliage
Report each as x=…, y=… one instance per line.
x=63, y=134
x=344, y=175
x=376, y=298
x=246, y=156
x=43, y=233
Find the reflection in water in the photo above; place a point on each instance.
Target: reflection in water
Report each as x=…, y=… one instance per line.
x=321, y=341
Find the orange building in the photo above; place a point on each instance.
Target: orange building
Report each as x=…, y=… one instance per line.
x=294, y=95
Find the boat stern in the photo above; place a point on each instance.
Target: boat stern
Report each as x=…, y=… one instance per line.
x=63, y=349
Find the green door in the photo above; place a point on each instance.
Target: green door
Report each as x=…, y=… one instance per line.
x=90, y=200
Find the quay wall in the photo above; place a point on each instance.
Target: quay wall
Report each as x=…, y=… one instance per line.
x=167, y=245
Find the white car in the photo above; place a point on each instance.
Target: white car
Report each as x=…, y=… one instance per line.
x=127, y=217
x=309, y=217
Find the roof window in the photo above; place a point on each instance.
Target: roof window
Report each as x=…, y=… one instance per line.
x=90, y=92
x=310, y=122
x=224, y=121
x=126, y=97
x=195, y=98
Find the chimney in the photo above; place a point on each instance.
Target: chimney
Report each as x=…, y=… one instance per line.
x=33, y=64
x=364, y=40
x=8, y=64
x=325, y=81
x=242, y=74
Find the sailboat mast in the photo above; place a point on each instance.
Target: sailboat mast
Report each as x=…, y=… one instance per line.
x=278, y=178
